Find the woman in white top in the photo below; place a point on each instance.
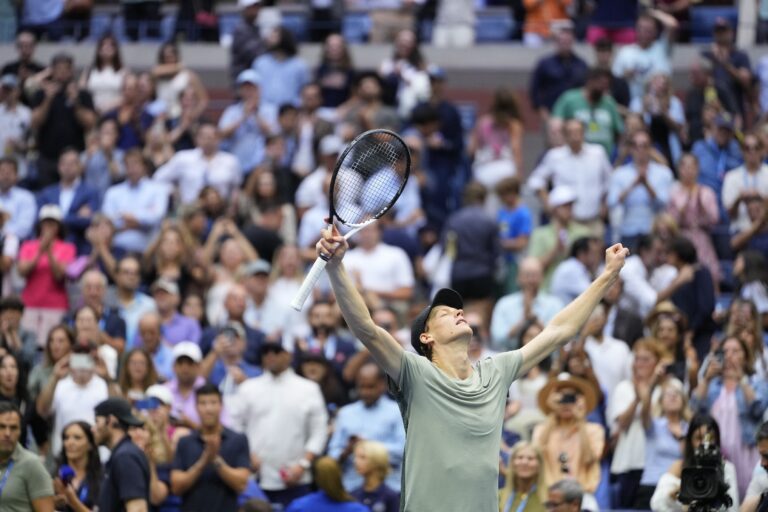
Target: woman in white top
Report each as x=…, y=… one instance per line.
x=406, y=72
x=172, y=78
x=703, y=428
x=624, y=417
x=104, y=78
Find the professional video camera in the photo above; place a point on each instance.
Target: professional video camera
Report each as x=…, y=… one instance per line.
x=702, y=485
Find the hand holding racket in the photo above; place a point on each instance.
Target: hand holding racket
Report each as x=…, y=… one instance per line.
x=368, y=178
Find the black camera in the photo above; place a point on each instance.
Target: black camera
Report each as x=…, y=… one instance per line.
x=702, y=485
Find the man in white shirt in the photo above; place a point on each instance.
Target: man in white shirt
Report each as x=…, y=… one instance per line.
x=71, y=394
x=647, y=279
x=514, y=311
x=15, y=119
x=574, y=275
x=311, y=192
x=580, y=165
x=193, y=169
x=20, y=203
x=382, y=271
x=758, y=485
x=745, y=182
x=136, y=206
x=611, y=359
x=285, y=419
x=650, y=55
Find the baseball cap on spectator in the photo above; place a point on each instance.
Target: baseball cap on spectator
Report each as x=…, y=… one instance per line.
x=244, y=4
x=236, y=328
x=257, y=267
x=249, y=76
x=188, y=349
x=9, y=81
x=435, y=72
x=62, y=58
x=444, y=297
x=50, y=212
x=331, y=145
x=165, y=285
x=561, y=195
x=724, y=120
x=161, y=393
x=120, y=409
x=722, y=24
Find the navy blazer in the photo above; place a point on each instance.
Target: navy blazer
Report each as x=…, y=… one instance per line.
x=76, y=225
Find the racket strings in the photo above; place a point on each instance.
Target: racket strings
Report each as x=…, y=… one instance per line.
x=370, y=179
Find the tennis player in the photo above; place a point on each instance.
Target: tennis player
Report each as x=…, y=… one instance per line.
x=453, y=410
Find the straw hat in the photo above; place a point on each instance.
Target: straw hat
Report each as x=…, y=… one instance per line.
x=567, y=381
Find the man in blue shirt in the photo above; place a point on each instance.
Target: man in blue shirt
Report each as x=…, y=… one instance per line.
x=224, y=365
x=212, y=465
x=374, y=417
x=718, y=154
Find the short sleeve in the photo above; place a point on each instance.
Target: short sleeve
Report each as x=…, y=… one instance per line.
x=130, y=478
x=523, y=223
x=28, y=249
x=179, y=459
x=39, y=483
x=411, y=369
x=242, y=459
x=509, y=364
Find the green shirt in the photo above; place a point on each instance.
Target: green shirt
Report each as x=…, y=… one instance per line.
x=602, y=122
x=27, y=481
x=453, y=431
x=544, y=239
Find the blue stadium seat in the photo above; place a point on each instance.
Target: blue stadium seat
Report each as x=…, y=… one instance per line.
x=228, y=22
x=468, y=113
x=355, y=27
x=101, y=23
x=493, y=27
x=703, y=20
x=297, y=23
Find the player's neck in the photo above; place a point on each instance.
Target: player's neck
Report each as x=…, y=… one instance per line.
x=453, y=360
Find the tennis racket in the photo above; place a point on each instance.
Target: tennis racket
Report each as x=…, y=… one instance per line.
x=368, y=178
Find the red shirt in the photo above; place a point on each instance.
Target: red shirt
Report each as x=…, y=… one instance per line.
x=43, y=290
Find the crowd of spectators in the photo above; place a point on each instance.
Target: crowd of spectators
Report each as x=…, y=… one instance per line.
x=150, y=250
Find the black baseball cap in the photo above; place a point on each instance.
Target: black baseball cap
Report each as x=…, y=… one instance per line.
x=443, y=297
x=120, y=409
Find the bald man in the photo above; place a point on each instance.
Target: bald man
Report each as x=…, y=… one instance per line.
x=514, y=312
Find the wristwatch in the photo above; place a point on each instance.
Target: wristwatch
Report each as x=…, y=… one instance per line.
x=305, y=464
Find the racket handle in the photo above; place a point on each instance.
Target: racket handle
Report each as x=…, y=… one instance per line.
x=309, y=282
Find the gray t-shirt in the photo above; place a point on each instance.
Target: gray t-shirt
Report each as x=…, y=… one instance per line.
x=453, y=433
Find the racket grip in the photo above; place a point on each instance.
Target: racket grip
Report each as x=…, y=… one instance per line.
x=309, y=282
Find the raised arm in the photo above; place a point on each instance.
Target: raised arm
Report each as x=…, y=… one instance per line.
x=384, y=348
x=567, y=324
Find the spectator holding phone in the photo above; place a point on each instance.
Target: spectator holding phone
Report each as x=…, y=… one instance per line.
x=570, y=445
x=224, y=365
x=77, y=481
x=737, y=400
x=72, y=392
x=211, y=466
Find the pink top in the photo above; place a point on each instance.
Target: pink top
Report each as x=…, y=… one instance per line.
x=43, y=290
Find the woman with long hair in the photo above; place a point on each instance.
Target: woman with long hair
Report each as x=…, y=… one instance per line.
x=261, y=195
x=88, y=333
x=372, y=463
x=736, y=398
x=744, y=322
x=405, y=73
x=104, y=78
x=667, y=325
x=664, y=115
x=78, y=476
x=335, y=74
x=524, y=488
x=13, y=388
x=665, y=420
x=496, y=143
x=172, y=78
x=694, y=207
x=137, y=374
x=703, y=428
x=331, y=495
x=623, y=414
x=170, y=256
